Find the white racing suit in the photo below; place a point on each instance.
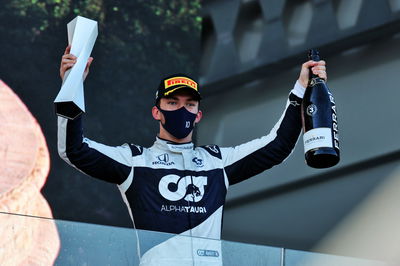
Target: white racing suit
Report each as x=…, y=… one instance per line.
x=180, y=188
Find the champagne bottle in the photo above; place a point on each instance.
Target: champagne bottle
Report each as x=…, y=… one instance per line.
x=321, y=136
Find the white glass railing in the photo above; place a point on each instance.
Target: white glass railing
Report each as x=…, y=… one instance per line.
x=28, y=240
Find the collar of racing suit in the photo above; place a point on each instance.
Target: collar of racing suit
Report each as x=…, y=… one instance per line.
x=172, y=146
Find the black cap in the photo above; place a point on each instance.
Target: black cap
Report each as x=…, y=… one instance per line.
x=176, y=82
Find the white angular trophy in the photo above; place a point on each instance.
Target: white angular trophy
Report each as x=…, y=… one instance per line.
x=82, y=34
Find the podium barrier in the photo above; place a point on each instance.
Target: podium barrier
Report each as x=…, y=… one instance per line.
x=91, y=244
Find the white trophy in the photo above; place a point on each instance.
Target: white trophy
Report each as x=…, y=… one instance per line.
x=82, y=34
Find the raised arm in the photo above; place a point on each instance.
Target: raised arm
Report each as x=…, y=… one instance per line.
x=111, y=164
x=251, y=158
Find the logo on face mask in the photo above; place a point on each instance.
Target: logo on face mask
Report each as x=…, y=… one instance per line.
x=190, y=188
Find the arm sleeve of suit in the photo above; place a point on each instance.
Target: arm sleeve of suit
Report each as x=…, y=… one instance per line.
x=251, y=158
x=111, y=164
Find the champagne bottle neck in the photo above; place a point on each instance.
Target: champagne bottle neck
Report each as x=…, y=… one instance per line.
x=314, y=55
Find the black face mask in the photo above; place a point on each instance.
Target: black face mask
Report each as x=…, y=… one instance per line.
x=179, y=123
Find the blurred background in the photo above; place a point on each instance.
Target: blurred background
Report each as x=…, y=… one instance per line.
x=252, y=52
x=247, y=55
x=139, y=42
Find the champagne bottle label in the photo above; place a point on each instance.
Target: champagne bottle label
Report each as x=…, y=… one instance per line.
x=317, y=138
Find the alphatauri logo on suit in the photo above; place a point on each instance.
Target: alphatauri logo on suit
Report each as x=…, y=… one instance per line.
x=190, y=188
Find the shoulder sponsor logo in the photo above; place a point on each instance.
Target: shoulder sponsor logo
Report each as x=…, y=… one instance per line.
x=213, y=148
x=163, y=159
x=198, y=162
x=175, y=188
x=294, y=103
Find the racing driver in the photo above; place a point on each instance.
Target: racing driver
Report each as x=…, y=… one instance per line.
x=174, y=186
